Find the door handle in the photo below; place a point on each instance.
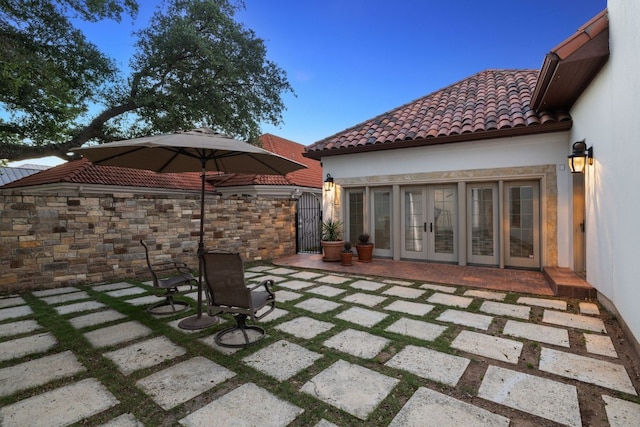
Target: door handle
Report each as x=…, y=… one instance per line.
x=431, y=227
x=582, y=226
x=425, y=227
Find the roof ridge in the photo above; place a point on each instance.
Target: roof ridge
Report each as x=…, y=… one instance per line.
x=406, y=104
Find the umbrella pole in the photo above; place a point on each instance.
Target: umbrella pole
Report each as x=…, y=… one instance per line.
x=197, y=321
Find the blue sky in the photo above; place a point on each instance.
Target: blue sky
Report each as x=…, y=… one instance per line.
x=350, y=60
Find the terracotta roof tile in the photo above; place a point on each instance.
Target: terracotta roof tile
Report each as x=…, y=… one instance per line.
x=492, y=100
x=84, y=172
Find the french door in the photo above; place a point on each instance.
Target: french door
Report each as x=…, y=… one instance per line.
x=381, y=230
x=522, y=224
x=482, y=223
x=429, y=222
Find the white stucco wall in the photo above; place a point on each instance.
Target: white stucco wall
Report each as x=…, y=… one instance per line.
x=606, y=115
x=401, y=166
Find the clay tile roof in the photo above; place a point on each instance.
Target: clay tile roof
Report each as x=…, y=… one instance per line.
x=489, y=104
x=84, y=172
x=309, y=177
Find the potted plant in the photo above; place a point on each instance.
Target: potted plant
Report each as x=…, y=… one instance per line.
x=331, y=240
x=346, y=255
x=364, y=248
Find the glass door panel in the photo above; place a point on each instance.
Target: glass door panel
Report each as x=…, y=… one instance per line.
x=355, y=215
x=414, y=211
x=482, y=223
x=381, y=235
x=522, y=214
x=442, y=223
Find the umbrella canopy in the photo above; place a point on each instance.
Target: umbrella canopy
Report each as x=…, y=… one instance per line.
x=190, y=151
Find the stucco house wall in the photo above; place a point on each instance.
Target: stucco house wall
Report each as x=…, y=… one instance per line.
x=606, y=116
x=535, y=156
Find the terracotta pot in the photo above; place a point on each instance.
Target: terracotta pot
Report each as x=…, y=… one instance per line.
x=346, y=258
x=331, y=250
x=365, y=252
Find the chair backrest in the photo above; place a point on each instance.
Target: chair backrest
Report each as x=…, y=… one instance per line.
x=224, y=278
x=149, y=264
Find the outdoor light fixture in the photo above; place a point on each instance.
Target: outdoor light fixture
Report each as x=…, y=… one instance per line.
x=580, y=156
x=328, y=183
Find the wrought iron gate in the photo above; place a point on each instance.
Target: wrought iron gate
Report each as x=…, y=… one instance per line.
x=309, y=223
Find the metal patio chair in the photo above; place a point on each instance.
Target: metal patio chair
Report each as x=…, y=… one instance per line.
x=227, y=292
x=167, y=277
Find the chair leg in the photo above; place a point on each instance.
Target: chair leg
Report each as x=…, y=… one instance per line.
x=241, y=326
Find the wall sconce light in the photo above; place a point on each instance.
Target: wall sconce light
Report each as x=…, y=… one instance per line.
x=328, y=183
x=580, y=156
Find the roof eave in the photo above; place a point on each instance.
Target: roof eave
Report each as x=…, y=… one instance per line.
x=569, y=68
x=450, y=139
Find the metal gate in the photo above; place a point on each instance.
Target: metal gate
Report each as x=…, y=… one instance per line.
x=309, y=223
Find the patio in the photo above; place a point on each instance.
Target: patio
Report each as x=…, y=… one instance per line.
x=346, y=346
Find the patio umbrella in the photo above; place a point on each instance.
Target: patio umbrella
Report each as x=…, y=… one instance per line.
x=191, y=151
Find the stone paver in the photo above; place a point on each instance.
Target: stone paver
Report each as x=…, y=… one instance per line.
x=15, y=312
x=545, y=398
x=478, y=321
x=430, y=364
x=409, y=307
x=144, y=354
x=96, y=318
x=417, y=329
x=586, y=369
x=37, y=372
x=367, y=285
x=306, y=275
x=261, y=268
x=304, y=327
x=502, y=309
x=428, y=408
x=54, y=291
x=318, y=305
x=502, y=349
x=357, y=343
x=543, y=302
x=397, y=282
x=439, y=288
x=274, y=315
x=145, y=300
x=364, y=299
x=282, y=359
x=621, y=413
x=538, y=333
x=78, y=307
x=327, y=291
x=26, y=345
x=362, y=316
x=59, y=407
x=589, y=308
x=11, y=301
x=18, y=327
x=352, y=388
x=282, y=270
x=404, y=292
x=265, y=410
x=452, y=300
x=333, y=280
x=296, y=285
x=576, y=321
x=125, y=292
x=116, y=334
x=62, y=298
x=490, y=295
x=124, y=420
x=283, y=296
x=600, y=344
x=111, y=286
x=184, y=381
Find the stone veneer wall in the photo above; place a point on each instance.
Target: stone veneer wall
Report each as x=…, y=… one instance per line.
x=50, y=240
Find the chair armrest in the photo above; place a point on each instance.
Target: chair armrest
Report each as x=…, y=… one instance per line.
x=267, y=286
